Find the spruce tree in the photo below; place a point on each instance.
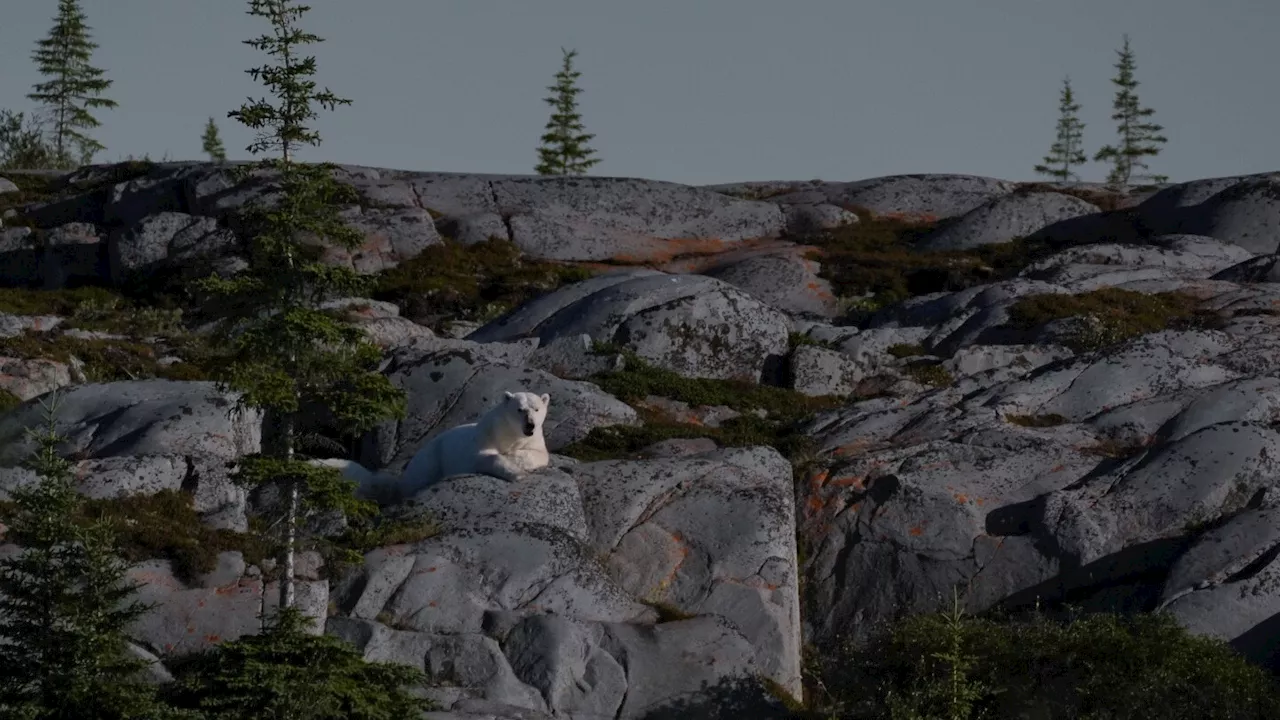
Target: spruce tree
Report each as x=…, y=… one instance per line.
x=286, y=673
x=564, y=148
x=211, y=143
x=1139, y=137
x=286, y=355
x=74, y=86
x=1066, y=150
x=65, y=605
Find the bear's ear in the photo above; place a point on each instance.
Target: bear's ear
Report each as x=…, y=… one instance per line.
x=545, y=398
x=509, y=395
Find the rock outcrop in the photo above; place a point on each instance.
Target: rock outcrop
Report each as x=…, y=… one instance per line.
x=1094, y=422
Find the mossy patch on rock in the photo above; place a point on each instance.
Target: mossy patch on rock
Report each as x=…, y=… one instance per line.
x=8, y=400
x=145, y=335
x=638, y=379
x=27, y=301
x=929, y=373
x=32, y=188
x=769, y=414
x=905, y=350
x=877, y=257
x=1036, y=421
x=1110, y=315
x=105, y=360
x=470, y=282
x=164, y=525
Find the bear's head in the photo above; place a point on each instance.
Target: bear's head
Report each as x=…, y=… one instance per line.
x=527, y=411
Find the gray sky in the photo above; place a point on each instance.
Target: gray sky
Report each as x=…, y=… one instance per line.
x=698, y=91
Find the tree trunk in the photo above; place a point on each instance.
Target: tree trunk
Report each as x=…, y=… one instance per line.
x=291, y=539
x=291, y=522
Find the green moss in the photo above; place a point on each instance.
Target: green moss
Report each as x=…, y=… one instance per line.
x=769, y=414
x=31, y=189
x=927, y=373
x=877, y=257
x=639, y=379
x=104, y=360
x=8, y=400
x=470, y=282
x=1113, y=315
x=626, y=441
x=383, y=531
x=25, y=301
x=1036, y=421
x=1098, y=666
x=668, y=612
x=1113, y=449
x=905, y=350
x=164, y=526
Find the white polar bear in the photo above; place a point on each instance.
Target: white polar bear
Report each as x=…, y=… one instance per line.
x=506, y=443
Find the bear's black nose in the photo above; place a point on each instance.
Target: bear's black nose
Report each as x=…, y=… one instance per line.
x=528, y=430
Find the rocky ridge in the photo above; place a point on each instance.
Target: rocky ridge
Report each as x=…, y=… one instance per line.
x=1038, y=393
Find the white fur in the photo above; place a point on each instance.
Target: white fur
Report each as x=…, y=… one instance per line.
x=495, y=445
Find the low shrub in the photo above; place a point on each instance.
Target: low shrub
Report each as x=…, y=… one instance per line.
x=105, y=360
x=877, y=262
x=1110, y=315
x=1036, y=421
x=1097, y=666
x=929, y=373
x=905, y=350
x=470, y=282
x=164, y=526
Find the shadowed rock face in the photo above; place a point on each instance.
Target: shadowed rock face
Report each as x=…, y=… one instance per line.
x=979, y=445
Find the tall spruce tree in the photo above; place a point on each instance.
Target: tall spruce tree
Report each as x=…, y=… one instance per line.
x=1066, y=151
x=564, y=148
x=211, y=143
x=1139, y=137
x=287, y=356
x=65, y=604
x=74, y=86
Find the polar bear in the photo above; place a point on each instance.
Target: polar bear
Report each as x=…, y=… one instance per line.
x=506, y=442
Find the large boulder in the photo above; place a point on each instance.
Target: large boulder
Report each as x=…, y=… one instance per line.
x=785, y=280
x=1090, y=480
x=694, y=325
x=581, y=218
x=143, y=436
x=1006, y=218
x=1167, y=210
x=452, y=386
x=1246, y=213
x=172, y=241
x=606, y=589
x=935, y=196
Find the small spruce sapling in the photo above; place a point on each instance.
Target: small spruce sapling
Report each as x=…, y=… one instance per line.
x=286, y=355
x=1139, y=137
x=65, y=604
x=211, y=143
x=287, y=673
x=74, y=86
x=564, y=148
x=1066, y=151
